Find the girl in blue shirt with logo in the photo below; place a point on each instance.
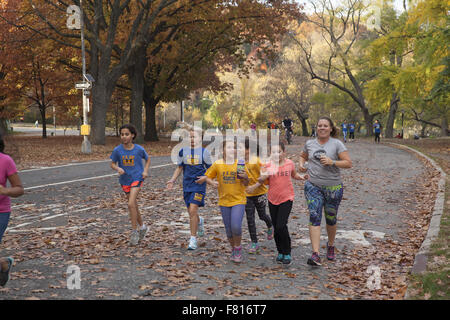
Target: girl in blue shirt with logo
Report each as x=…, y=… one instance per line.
x=193, y=162
x=127, y=160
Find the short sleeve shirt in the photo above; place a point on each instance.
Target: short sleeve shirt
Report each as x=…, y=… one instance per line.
x=280, y=183
x=377, y=127
x=319, y=174
x=7, y=168
x=195, y=162
x=231, y=190
x=254, y=172
x=131, y=162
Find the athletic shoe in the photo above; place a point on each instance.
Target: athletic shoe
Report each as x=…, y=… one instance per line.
x=254, y=248
x=192, y=244
x=330, y=252
x=269, y=234
x=142, y=233
x=134, y=238
x=314, y=260
x=233, y=252
x=237, y=255
x=201, y=231
x=4, y=275
x=286, y=259
x=279, y=258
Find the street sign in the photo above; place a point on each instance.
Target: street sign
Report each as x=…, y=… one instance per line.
x=83, y=85
x=85, y=130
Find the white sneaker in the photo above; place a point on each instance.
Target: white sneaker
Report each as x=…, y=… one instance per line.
x=142, y=233
x=134, y=238
x=192, y=244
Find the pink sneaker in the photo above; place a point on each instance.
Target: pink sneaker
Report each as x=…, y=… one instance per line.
x=269, y=234
x=237, y=254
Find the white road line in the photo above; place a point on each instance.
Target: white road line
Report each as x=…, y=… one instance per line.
x=65, y=165
x=86, y=179
x=51, y=217
x=54, y=228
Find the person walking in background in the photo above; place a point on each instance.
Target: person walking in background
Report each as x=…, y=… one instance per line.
x=351, y=132
x=344, y=130
x=377, y=130
x=325, y=155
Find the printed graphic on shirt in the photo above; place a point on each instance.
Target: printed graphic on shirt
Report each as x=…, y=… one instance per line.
x=128, y=160
x=319, y=153
x=192, y=159
x=229, y=177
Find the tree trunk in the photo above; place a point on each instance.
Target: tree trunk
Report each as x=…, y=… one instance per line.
x=422, y=131
x=389, y=133
x=136, y=77
x=368, y=120
x=44, y=122
x=304, y=127
x=101, y=98
x=444, y=127
x=151, y=133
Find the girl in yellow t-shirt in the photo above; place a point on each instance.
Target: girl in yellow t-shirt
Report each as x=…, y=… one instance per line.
x=256, y=198
x=231, y=185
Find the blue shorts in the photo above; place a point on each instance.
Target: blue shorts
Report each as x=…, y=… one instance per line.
x=4, y=219
x=197, y=198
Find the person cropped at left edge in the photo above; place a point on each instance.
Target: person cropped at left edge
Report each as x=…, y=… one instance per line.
x=127, y=159
x=8, y=172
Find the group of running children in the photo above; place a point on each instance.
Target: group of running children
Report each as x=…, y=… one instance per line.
x=243, y=187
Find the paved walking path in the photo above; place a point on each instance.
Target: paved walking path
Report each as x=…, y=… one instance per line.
x=95, y=235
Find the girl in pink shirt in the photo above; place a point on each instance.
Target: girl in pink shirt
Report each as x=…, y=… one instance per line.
x=278, y=173
x=8, y=172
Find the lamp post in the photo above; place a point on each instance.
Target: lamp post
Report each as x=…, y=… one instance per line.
x=75, y=21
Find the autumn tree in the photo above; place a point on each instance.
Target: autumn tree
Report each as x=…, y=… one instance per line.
x=338, y=63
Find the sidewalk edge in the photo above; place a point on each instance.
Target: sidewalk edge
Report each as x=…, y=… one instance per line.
x=420, y=261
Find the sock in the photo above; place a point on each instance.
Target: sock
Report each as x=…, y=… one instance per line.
x=193, y=238
x=143, y=227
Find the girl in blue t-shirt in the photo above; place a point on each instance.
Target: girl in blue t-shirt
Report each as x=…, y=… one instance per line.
x=127, y=160
x=193, y=162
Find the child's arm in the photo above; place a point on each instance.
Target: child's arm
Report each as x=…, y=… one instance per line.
x=119, y=170
x=175, y=175
x=295, y=175
x=211, y=182
x=16, y=189
x=147, y=166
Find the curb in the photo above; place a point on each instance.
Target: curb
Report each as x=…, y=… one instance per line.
x=420, y=261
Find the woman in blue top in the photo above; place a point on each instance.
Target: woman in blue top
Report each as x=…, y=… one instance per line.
x=193, y=162
x=127, y=160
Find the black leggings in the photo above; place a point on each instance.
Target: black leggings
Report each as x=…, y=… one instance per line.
x=377, y=137
x=280, y=215
x=258, y=203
